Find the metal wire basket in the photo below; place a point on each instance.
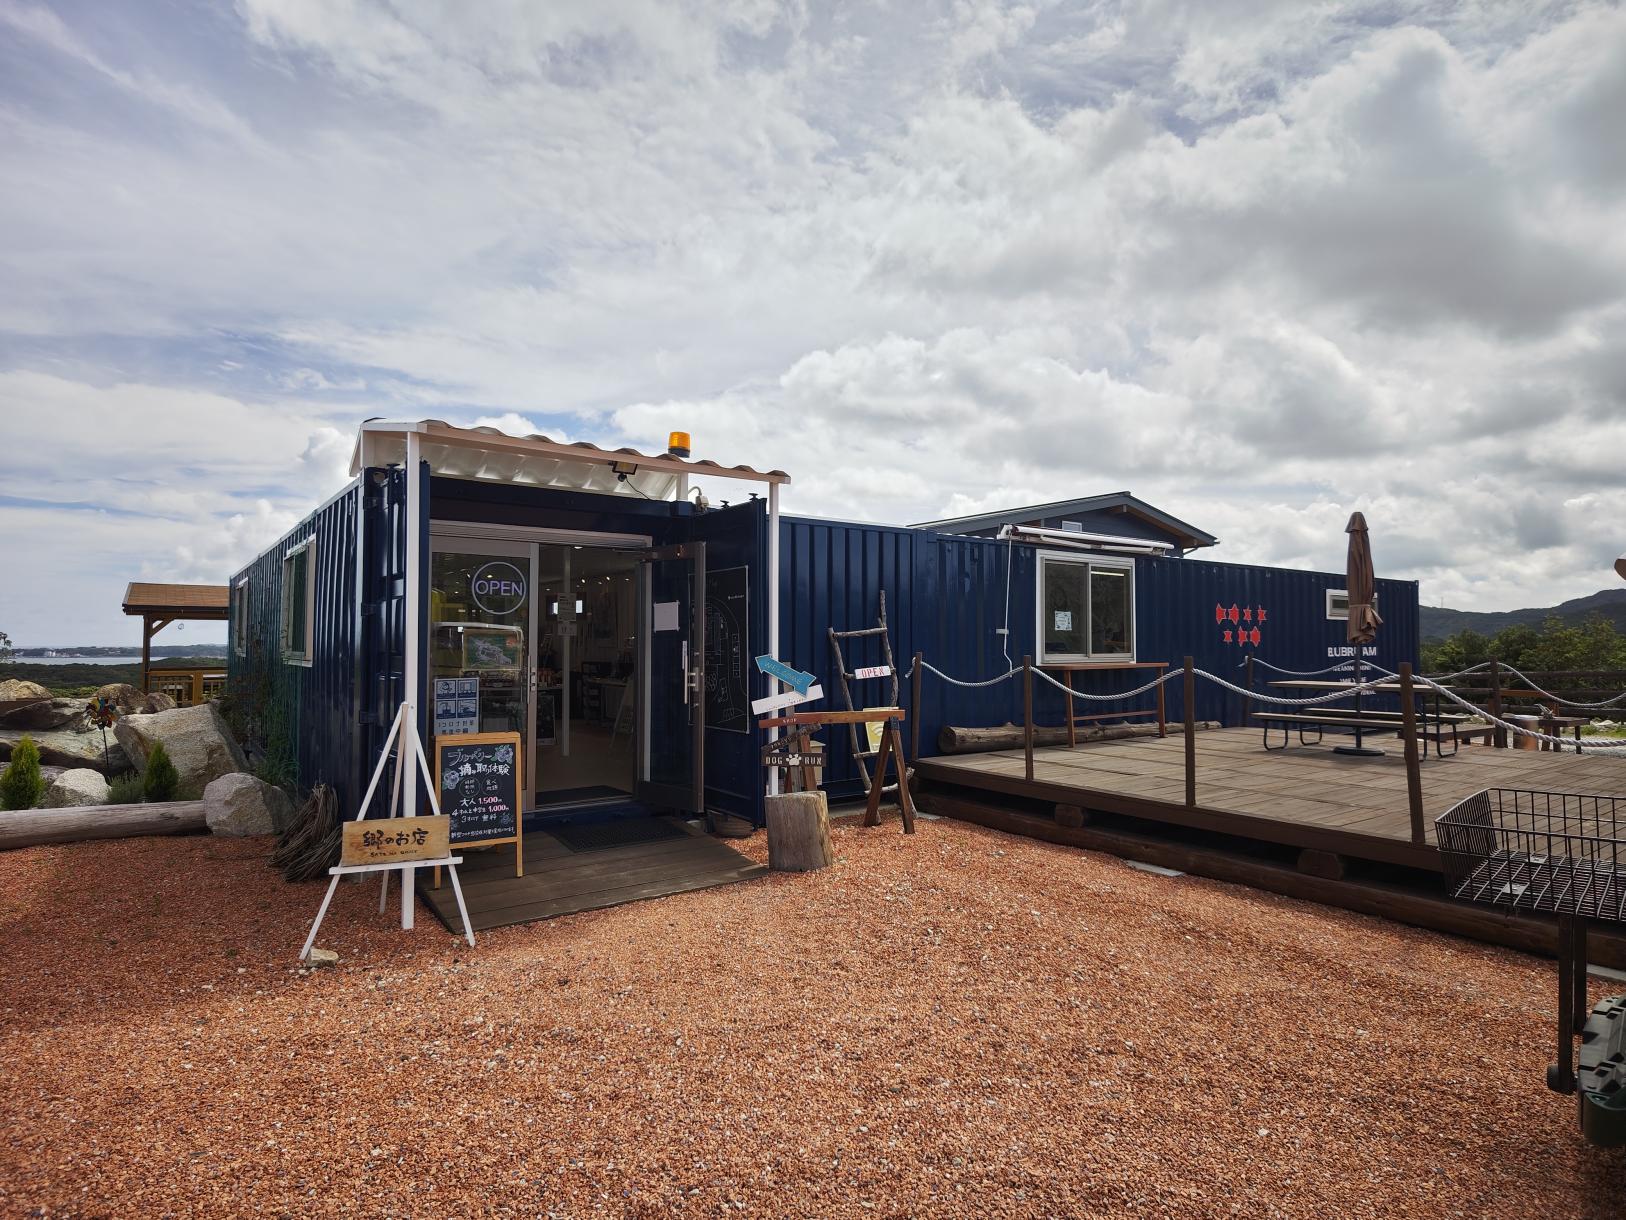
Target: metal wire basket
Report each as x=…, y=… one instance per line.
x=1560, y=852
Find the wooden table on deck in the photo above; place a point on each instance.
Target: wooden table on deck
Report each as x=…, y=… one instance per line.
x=1324, y=685
x=1068, y=669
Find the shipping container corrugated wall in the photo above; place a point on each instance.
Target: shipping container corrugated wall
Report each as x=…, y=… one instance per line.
x=324, y=722
x=950, y=596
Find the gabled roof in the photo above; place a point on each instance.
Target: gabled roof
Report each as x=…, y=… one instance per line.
x=1115, y=501
x=180, y=601
x=538, y=461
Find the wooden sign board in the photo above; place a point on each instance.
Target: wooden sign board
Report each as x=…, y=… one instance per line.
x=873, y=671
x=481, y=789
x=394, y=840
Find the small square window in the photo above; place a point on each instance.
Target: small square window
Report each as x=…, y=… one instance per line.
x=1086, y=610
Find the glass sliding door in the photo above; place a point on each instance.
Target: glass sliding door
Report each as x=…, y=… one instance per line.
x=482, y=631
x=672, y=635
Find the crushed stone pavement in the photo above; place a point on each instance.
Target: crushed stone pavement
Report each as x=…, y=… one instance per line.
x=955, y=1023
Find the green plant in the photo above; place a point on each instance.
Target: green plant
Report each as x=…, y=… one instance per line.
x=161, y=779
x=22, y=785
x=125, y=789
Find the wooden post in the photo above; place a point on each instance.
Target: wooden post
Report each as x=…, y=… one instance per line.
x=1414, y=775
x=1190, y=702
x=1027, y=713
x=914, y=707
x=1500, y=736
x=1247, y=700
x=146, y=653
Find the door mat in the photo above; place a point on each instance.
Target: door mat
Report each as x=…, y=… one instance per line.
x=621, y=832
x=581, y=796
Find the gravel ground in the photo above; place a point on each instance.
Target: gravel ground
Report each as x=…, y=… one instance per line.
x=955, y=1024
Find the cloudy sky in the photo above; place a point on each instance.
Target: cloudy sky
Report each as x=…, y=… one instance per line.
x=1260, y=263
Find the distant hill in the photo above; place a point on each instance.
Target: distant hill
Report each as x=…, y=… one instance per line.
x=1439, y=623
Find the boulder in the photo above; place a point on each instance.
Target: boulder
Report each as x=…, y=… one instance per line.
x=131, y=702
x=67, y=749
x=196, y=739
x=239, y=804
x=17, y=690
x=45, y=714
x=79, y=786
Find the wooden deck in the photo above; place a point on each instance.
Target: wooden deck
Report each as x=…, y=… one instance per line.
x=1304, y=797
x=558, y=881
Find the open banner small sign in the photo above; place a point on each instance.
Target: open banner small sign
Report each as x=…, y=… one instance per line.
x=395, y=840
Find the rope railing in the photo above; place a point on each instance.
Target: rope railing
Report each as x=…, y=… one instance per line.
x=1297, y=673
x=1558, y=699
x=1382, y=684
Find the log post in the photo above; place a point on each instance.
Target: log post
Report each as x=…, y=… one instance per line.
x=1500, y=737
x=1414, y=775
x=1190, y=702
x=798, y=831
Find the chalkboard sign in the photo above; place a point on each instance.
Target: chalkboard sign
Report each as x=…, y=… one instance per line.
x=728, y=649
x=480, y=787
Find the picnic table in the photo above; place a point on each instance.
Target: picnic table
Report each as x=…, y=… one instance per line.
x=1437, y=727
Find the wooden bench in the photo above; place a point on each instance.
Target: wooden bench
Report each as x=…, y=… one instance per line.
x=1446, y=728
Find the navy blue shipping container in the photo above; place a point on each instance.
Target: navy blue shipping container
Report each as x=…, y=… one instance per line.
x=969, y=604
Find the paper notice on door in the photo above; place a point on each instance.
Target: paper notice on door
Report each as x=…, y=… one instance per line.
x=666, y=616
x=1064, y=620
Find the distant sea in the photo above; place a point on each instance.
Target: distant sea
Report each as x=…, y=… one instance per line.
x=135, y=660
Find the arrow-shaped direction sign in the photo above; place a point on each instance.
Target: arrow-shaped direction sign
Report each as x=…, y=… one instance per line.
x=790, y=676
x=786, y=698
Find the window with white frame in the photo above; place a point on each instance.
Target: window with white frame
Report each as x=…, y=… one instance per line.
x=1086, y=609
x=299, y=603
x=1338, y=603
x=239, y=617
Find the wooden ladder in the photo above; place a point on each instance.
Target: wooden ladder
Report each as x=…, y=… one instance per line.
x=862, y=754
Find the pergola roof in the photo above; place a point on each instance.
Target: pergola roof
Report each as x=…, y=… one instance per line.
x=177, y=601
x=538, y=461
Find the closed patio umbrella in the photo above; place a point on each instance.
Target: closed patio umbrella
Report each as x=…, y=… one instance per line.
x=1364, y=622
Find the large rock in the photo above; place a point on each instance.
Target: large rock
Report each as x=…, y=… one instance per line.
x=196, y=739
x=80, y=786
x=16, y=690
x=239, y=804
x=131, y=702
x=65, y=749
x=46, y=714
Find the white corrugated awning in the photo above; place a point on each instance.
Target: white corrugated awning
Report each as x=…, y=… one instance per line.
x=538, y=461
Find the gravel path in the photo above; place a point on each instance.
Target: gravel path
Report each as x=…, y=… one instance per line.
x=955, y=1024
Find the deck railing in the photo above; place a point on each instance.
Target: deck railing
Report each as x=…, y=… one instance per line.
x=188, y=686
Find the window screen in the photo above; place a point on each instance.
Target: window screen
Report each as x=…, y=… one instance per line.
x=1086, y=610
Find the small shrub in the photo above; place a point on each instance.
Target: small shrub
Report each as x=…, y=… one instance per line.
x=22, y=786
x=126, y=789
x=159, y=781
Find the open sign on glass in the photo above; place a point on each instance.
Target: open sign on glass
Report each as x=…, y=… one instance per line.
x=498, y=588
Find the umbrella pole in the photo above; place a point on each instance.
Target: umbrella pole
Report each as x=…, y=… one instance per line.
x=1359, y=749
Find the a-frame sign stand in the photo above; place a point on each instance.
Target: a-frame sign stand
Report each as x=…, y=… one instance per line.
x=403, y=736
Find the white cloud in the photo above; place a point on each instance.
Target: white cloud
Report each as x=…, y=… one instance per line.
x=1259, y=263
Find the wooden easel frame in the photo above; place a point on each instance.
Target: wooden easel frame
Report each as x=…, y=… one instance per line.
x=481, y=739
x=403, y=735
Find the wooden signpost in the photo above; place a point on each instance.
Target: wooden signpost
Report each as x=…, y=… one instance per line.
x=481, y=785
x=800, y=725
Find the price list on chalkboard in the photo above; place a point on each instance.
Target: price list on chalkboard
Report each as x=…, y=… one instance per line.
x=480, y=788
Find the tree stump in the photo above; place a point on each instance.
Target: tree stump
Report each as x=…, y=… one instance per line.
x=798, y=832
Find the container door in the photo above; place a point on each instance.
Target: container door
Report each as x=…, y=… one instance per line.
x=672, y=639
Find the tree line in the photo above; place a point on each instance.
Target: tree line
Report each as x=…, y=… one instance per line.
x=1592, y=644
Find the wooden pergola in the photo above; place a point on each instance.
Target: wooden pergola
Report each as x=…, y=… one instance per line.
x=160, y=605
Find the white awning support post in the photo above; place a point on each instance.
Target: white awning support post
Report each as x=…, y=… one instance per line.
x=409, y=743
x=773, y=607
